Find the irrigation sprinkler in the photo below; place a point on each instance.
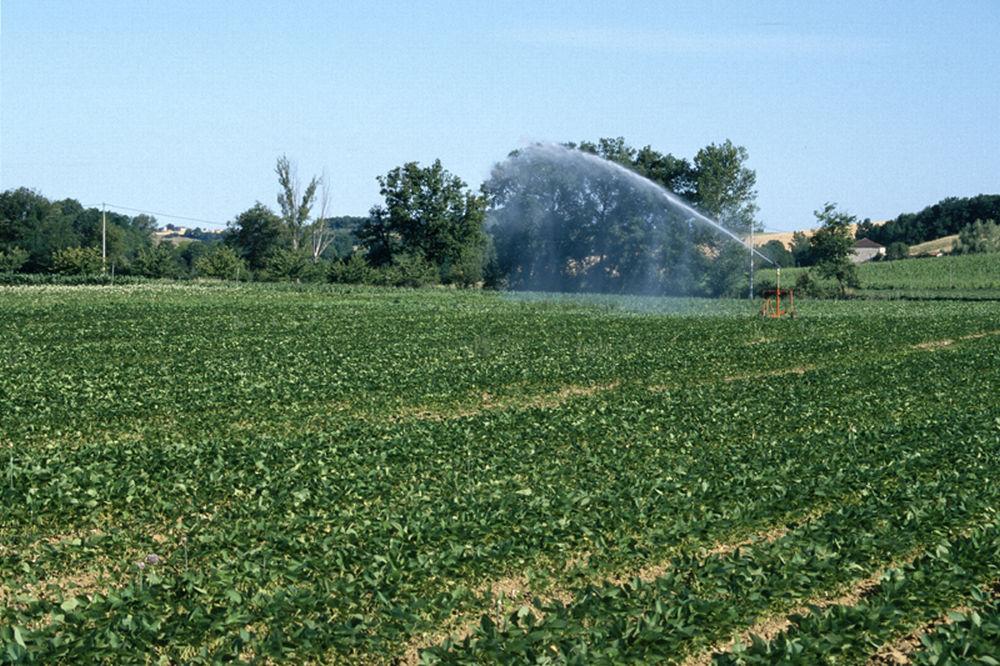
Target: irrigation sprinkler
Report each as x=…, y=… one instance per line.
x=771, y=308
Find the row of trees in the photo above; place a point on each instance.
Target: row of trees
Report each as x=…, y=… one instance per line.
x=430, y=229
x=948, y=216
x=38, y=235
x=598, y=233
x=548, y=218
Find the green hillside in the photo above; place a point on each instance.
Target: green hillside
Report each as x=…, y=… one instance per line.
x=968, y=275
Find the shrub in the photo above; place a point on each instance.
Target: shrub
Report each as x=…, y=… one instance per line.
x=220, y=263
x=409, y=270
x=292, y=266
x=353, y=270
x=77, y=261
x=12, y=259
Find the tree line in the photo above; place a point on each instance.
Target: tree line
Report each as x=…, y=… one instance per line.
x=545, y=227
x=430, y=228
x=948, y=216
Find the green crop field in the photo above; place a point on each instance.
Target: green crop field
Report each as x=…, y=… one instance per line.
x=965, y=276
x=195, y=474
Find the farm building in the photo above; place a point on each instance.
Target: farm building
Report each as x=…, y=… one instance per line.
x=865, y=250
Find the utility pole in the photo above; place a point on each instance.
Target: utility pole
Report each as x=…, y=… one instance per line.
x=104, y=238
x=751, y=260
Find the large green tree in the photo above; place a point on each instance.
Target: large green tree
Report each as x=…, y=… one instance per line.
x=430, y=214
x=831, y=247
x=256, y=235
x=724, y=185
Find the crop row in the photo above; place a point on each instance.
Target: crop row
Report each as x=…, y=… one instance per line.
x=907, y=598
x=699, y=602
x=770, y=499
x=971, y=635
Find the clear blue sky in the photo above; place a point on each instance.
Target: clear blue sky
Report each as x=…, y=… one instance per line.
x=182, y=106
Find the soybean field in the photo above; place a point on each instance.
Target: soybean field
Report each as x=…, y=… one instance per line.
x=206, y=473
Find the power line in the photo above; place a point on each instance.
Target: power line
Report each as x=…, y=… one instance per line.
x=173, y=217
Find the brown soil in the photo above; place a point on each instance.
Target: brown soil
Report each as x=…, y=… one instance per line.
x=487, y=402
x=931, y=345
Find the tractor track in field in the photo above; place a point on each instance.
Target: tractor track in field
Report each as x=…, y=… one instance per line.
x=899, y=651
x=771, y=627
x=507, y=594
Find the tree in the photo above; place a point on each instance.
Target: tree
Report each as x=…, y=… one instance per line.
x=256, y=234
x=897, y=250
x=948, y=216
x=190, y=252
x=343, y=239
x=801, y=249
x=864, y=229
x=295, y=204
x=42, y=228
x=77, y=261
x=430, y=214
x=12, y=259
x=158, y=261
x=222, y=262
x=776, y=251
x=725, y=186
x=320, y=234
x=831, y=247
x=30, y=221
x=561, y=221
x=978, y=237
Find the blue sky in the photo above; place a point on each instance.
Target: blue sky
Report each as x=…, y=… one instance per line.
x=183, y=106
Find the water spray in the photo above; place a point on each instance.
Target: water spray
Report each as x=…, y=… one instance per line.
x=644, y=183
x=545, y=159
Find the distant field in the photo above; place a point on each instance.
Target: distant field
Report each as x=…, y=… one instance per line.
x=199, y=474
x=961, y=274
x=972, y=271
x=786, y=236
x=942, y=244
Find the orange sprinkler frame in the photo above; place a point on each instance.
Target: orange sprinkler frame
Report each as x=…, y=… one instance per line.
x=771, y=307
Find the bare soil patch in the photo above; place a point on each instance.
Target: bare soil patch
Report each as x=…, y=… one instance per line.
x=488, y=402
